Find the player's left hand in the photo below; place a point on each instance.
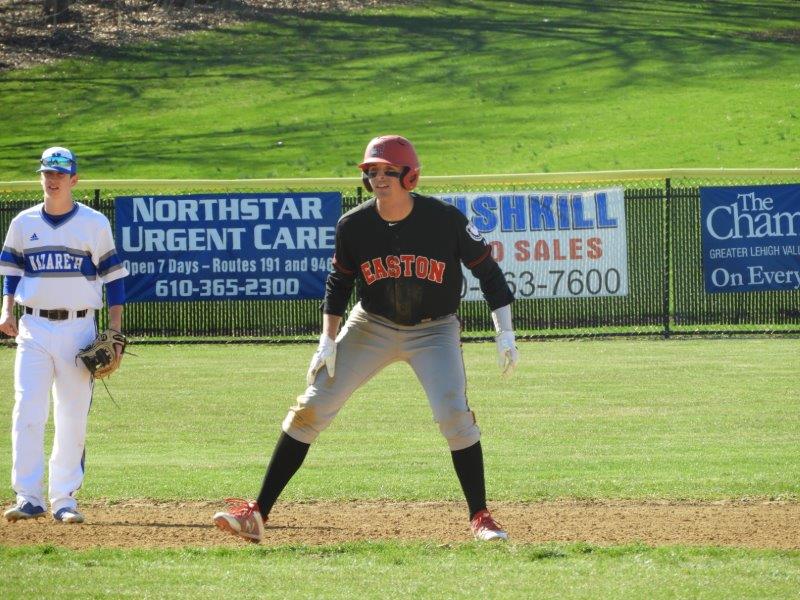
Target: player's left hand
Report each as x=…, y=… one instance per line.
x=119, y=349
x=507, y=354
x=102, y=356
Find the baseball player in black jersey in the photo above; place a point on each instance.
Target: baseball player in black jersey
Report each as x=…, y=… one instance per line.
x=403, y=252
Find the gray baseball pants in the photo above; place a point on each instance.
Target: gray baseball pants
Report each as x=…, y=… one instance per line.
x=366, y=344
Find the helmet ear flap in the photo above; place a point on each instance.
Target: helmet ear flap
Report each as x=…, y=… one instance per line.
x=410, y=178
x=365, y=181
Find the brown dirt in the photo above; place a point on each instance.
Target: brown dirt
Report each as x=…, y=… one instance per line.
x=96, y=27
x=148, y=524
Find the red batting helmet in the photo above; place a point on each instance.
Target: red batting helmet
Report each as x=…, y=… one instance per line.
x=393, y=150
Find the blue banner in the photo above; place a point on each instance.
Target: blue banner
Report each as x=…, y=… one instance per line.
x=226, y=246
x=751, y=238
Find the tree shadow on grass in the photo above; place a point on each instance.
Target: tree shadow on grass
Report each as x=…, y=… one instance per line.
x=619, y=34
x=487, y=52
x=491, y=48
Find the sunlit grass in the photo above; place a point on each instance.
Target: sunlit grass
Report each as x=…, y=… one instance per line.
x=481, y=87
x=403, y=570
x=704, y=419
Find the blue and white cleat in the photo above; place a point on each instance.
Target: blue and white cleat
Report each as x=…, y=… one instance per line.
x=23, y=511
x=68, y=515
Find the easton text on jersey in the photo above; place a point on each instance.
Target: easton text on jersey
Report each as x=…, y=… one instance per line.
x=405, y=265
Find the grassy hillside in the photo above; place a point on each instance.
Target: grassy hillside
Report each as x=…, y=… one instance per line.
x=480, y=86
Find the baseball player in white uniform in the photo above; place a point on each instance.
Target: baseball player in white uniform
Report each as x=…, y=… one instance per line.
x=56, y=258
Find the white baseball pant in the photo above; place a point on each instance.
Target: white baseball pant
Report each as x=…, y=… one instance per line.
x=45, y=359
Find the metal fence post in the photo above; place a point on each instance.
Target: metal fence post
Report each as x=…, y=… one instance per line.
x=667, y=256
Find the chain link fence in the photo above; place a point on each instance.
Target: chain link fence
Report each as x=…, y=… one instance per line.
x=666, y=293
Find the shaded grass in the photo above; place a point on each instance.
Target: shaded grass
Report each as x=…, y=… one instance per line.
x=481, y=87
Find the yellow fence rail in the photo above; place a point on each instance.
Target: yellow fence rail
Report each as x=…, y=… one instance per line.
x=431, y=180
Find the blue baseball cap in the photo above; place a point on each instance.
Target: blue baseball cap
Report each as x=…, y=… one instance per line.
x=58, y=159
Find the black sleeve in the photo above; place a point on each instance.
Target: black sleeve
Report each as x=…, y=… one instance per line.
x=476, y=255
x=472, y=246
x=338, y=288
x=340, y=281
x=493, y=283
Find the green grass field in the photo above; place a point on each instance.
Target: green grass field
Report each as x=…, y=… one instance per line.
x=641, y=419
x=699, y=419
x=388, y=570
x=479, y=86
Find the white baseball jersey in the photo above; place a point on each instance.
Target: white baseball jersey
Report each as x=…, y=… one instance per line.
x=63, y=265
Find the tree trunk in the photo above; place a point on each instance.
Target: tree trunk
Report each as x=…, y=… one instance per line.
x=56, y=10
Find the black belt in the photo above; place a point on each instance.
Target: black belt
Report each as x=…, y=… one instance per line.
x=56, y=314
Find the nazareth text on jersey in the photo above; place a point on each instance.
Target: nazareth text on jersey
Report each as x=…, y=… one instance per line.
x=62, y=264
x=54, y=262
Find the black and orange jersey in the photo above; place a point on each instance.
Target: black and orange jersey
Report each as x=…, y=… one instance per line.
x=410, y=271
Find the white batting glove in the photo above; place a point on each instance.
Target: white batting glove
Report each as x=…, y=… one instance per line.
x=324, y=356
x=507, y=354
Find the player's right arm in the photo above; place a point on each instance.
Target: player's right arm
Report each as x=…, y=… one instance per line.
x=330, y=325
x=12, y=266
x=338, y=287
x=341, y=280
x=8, y=323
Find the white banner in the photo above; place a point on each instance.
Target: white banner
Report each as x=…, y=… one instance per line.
x=552, y=244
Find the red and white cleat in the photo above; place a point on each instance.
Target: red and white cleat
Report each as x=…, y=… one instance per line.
x=242, y=519
x=485, y=528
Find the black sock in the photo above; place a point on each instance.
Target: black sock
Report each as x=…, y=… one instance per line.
x=469, y=468
x=287, y=457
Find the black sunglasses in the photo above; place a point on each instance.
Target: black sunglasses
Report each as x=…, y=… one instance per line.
x=373, y=172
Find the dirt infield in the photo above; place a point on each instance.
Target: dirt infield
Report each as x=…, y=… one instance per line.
x=146, y=524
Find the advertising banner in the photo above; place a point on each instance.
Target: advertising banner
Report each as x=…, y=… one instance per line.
x=751, y=238
x=552, y=244
x=226, y=246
